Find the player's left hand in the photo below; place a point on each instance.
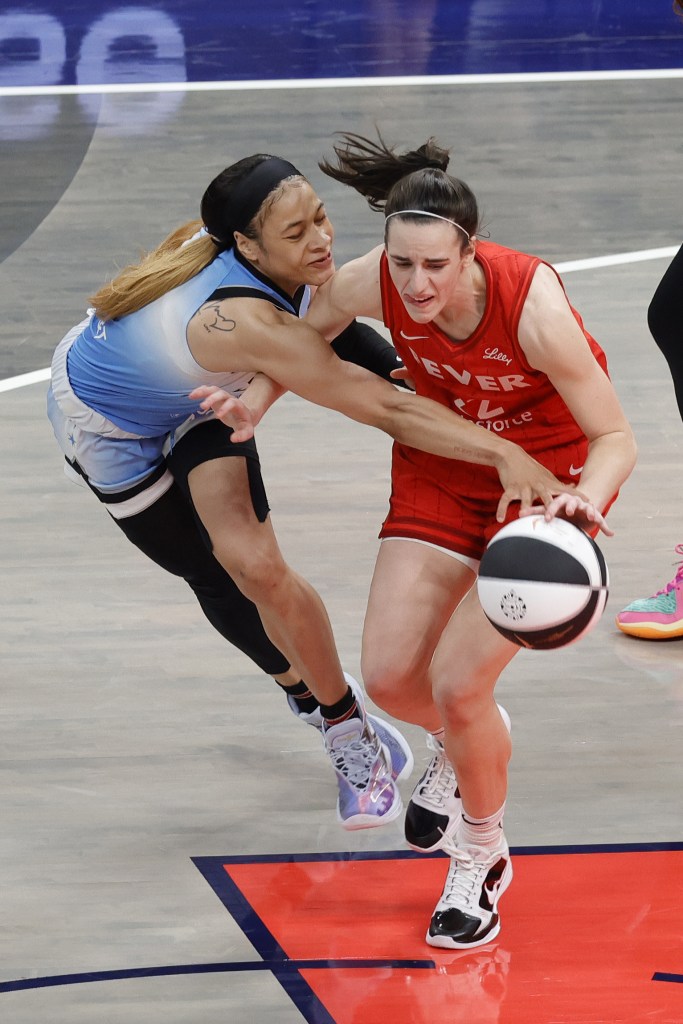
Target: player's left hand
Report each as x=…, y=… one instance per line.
x=573, y=506
x=229, y=410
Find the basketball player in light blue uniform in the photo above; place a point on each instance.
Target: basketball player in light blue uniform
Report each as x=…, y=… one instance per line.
x=121, y=412
x=128, y=380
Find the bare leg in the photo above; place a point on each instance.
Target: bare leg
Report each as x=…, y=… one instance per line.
x=415, y=590
x=467, y=663
x=431, y=657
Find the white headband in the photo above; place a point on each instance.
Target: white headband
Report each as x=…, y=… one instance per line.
x=426, y=213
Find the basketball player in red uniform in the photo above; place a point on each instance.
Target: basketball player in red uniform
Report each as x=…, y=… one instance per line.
x=489, y=332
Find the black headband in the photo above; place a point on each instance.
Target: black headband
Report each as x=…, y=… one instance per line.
x=246, y=198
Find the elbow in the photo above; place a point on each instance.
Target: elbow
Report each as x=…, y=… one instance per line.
x=633, y=451
x=629, y=452
x=631, y=444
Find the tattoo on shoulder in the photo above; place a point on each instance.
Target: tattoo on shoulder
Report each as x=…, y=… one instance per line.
x=213, y=319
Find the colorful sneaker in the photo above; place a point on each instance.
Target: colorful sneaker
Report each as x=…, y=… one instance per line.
x=395, y=744
x=434, y=809
x=467, y=913
x=368, y=795
x=659, y=617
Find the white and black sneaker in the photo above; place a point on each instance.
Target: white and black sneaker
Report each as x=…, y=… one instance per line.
x=434, y=810
x=467, y=913
x=435, y=806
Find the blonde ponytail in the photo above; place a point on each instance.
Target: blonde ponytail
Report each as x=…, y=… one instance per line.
x=166, y=267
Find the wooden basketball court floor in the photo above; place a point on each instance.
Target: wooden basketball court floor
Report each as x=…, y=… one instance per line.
x=168, y=845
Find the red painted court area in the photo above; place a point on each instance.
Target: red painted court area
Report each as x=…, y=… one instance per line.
x=583, y=935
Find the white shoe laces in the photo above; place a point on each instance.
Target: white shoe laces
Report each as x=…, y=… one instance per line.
x=439, y=781
x=355, y=759
x=466, y=874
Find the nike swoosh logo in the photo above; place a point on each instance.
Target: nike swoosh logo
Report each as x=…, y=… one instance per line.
x=491, y=885
x=573, y=471
x=414, y=337
x=488, y=896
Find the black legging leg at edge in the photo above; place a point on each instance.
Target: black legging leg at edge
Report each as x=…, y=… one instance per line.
x=665, y=320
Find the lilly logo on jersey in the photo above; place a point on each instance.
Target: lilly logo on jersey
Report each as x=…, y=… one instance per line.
x=495, y=353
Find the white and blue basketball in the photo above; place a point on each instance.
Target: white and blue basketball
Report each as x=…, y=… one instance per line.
x=543, y=585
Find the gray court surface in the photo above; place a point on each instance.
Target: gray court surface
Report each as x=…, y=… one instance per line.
x=131, y=737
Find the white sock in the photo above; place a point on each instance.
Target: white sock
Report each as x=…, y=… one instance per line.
x=485, y=832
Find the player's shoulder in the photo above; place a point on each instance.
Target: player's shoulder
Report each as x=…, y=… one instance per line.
x=358, y=277
x=361, y=266
x=545, y=286
x=238, y=315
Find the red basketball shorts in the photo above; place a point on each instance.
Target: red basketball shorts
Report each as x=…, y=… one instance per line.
x=452, y=504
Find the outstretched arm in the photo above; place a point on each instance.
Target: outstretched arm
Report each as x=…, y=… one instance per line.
x=554, y=343
x=298, y=358
x=295, y=355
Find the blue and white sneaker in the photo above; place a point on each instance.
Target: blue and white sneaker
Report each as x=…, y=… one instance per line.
x=395, y=744
x=368, y=795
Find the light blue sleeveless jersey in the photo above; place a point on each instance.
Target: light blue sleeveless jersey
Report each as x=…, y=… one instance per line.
x=138, y=371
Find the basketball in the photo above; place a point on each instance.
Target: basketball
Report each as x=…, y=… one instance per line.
x=543, y=585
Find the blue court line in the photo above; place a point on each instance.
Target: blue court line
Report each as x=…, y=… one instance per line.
x=279, y=967
x=204, y=864
x=254, y=928
x=288, y=972
x=265, y=943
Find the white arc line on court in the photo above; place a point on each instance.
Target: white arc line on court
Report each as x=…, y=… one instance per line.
x=592, y=263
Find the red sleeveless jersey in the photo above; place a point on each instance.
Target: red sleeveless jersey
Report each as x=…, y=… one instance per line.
x=487, y=380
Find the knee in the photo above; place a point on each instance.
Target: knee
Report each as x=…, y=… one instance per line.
x=259, y=574
x=387, y=685
x=459, y=703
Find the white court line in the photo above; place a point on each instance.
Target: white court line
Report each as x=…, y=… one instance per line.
x=593, y=263
x=10, y=383
x=378, y=82
x=618, y=259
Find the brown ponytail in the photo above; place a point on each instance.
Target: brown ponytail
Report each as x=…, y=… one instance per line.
x=373, y=168
x=411, y=181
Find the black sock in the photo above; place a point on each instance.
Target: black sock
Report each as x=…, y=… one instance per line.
x=345, y=708
x=304, y=699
